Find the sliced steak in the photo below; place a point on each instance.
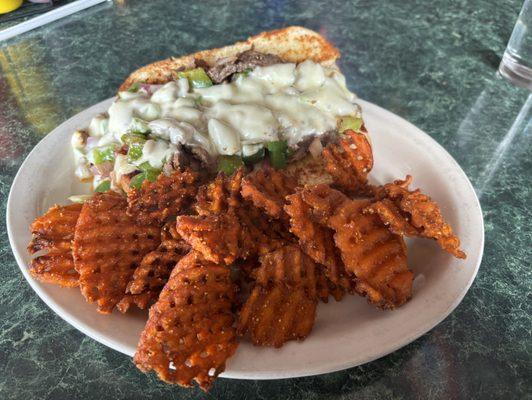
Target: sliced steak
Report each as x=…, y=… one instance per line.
x=248, y=59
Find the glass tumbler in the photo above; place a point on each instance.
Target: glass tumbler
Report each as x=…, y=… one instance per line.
x=516, y=64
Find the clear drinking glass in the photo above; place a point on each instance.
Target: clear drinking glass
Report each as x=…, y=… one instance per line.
x=516, y=64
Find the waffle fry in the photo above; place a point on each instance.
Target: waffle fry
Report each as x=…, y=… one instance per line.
x=326, y=288
x=413, y=213
x=260, y=235
x=189, y=334
x=267, y=190
x=316, y=240
x=241, y=232
x=52, y=234
x=168, y=196
x=392, y=217
x=282, y=305
x=152, y=274
x=374, y=256
x=274, y=315
x=219, y=195
x=108, y=246
x=290, y=267
x=349, y=161
x=216, y=237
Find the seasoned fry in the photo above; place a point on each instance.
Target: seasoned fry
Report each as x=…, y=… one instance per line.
x=326, y=288
x=375, y=256
x=390, y=214
x=370, y=252
x=316, y=240
x=166, y=197
x=413, y=213
x=108, y=246
x=240, y=232
x=189, y=334
x=216, y=237
x=267, y=190
x=219, y=195
x=227, y=237
x=153, y=272
x=52, y=234
x=290, y=267
x=169, y=232
x=277, y=314
x=223, y=213
x=282, y=305
x=350, y=161
x=260, y=235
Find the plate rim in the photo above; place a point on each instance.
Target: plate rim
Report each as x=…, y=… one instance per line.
x=93, y=334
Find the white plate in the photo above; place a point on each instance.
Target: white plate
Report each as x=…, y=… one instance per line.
x=346, y=334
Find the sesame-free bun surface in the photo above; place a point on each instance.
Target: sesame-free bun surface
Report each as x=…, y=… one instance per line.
x=293, y=44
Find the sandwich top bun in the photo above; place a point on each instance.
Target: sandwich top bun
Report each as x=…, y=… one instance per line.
x=293, y=44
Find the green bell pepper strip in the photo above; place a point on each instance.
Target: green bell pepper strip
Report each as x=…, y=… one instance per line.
x=254, y=158
x=103, y=187
x=147, y=172
x=131, y=138
x=152, y=174
x=146, y=167
x=278, y=153
x=228, y=164
x=136, y=181
x=101, y=155
x=138, y=126
x=350, y=123
x=197, y=77
x=135, y=143
x=134, y=152
x=135, y=87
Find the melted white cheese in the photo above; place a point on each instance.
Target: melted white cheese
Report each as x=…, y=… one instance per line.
x=156, y=153
x=226, y=140
x=281, y=101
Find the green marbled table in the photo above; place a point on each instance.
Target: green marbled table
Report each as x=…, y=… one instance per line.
x=432, y=62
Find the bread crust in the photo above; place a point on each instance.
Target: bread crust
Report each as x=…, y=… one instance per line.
x=293, y=44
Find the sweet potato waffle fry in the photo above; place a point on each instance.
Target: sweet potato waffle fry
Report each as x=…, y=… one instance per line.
x=52, y=236
x=189, y=334
x=108, y=246
x=290, y=267
x=152, y=274
x=267, y=190
x=239, y=233
x=229, y=227
x=220, y=195
x=374, y=255
x=272, y=316
x=282, y=305
x=259, y=235
x=166, y=197
x=316, y=240
x=349, y=161
x=216, y=237
x=413, y=213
